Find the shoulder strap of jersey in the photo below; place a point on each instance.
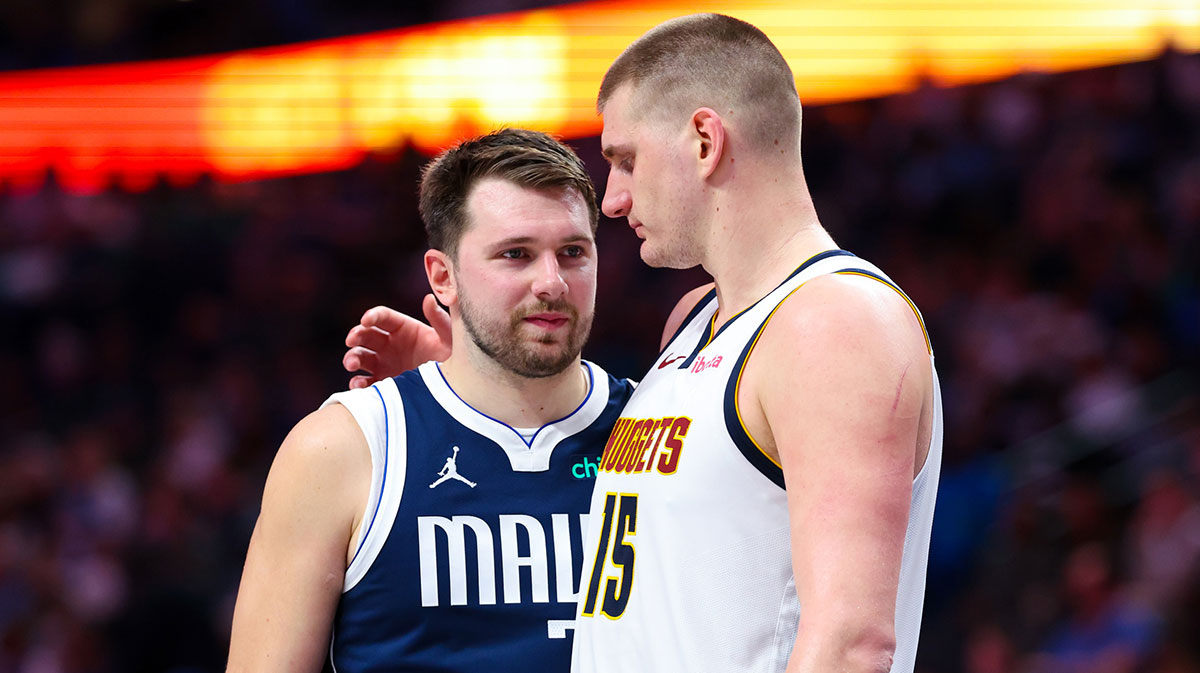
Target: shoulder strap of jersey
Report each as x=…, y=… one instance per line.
x=865, y=269
x=708, y=298
x=830, y=262
x=379, y=412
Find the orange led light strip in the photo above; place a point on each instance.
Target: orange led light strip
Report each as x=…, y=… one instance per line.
x=323, y=105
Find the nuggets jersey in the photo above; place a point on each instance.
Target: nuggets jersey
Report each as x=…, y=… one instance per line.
x=689, y=561
x=470, y=548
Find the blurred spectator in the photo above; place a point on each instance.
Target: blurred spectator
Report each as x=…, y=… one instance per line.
x=1103, y=632
x=1164, y=538
x=989, y=650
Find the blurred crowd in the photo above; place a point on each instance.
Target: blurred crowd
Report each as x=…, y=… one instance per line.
x=155, y=348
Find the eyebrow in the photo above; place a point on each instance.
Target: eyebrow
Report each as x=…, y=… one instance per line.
x=610, y=151
x=525, y=240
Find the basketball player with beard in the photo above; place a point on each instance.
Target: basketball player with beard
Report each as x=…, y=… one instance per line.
x=432, y=521
x=766, y=499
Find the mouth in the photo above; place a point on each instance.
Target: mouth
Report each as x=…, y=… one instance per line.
x=637, y=228
x=547, y=321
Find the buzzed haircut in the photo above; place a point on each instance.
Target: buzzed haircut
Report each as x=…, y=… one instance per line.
x=525, y=158
x=716, y=61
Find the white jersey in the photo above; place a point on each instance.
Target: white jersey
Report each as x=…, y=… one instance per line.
x=688, y=556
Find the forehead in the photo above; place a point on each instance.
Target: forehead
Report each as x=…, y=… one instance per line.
x=618, y=119
x=498, y=209
x=635, y=122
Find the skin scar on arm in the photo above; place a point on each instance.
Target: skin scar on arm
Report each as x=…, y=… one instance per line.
x=900, y=388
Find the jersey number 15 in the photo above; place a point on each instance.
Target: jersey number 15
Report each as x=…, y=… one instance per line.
x=620, y=524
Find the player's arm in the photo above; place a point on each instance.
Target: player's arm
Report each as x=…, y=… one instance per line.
x=314, y=495
x=386, y=342
x=841, y=377
x=682, y=308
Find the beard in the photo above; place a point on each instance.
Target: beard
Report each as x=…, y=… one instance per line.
x=507, y=346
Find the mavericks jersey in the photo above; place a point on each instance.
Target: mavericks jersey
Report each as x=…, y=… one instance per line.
x=689, y=557
x=471, y=544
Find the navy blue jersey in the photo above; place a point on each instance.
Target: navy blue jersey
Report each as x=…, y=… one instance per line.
x=470, y=550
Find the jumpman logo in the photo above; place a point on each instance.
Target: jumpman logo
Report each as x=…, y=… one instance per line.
x=450, y=471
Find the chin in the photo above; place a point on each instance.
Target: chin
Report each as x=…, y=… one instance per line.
x=661, y=259
x=652, y=256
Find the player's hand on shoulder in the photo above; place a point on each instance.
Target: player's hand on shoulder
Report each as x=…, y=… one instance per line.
x=386, y=342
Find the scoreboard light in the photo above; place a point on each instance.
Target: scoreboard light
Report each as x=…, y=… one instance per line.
x=323, y=105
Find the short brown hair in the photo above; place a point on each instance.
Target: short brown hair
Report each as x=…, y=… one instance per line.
x=716, y=61
x=525, y=158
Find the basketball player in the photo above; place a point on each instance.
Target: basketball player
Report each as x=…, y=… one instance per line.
x=765, y=500
x=369, y=552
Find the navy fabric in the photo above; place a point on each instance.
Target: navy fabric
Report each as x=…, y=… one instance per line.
x=382, y=624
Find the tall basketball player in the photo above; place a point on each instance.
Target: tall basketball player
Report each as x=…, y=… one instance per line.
x=765, y=500
x=432, y=521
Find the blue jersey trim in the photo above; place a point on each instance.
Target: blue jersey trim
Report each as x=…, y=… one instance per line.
x=529, y=443
x=741, y=439
x=908, y=300
x=691, y=315
x=382, y=484
x=876, y=276
x=733, y=424
x=706, y=339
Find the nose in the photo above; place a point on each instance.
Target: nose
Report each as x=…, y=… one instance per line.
x=549, y=285
x=617, y=199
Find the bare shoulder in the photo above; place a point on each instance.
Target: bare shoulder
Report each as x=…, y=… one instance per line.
x=841, y=351
x=843, y=314
x=328, y=435
x=325, y=457
x=682, y=308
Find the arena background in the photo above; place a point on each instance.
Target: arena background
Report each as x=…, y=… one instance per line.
x=168, y=312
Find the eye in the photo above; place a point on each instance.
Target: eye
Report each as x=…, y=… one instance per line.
x=573, y=251
x=513, y=253
x=626, y=165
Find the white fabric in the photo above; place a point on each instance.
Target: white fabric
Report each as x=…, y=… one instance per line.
x=531, y=456
x=713, y=589
x=379, y=413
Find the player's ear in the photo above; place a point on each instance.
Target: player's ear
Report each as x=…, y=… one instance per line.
x=439, y=268
x=708, y=136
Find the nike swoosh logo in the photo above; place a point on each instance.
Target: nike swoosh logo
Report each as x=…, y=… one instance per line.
x=677, y=358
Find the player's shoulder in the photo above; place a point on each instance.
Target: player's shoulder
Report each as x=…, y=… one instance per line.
x=844, y=300
x=324, y=437
x=344, y=431
x=323, y=463
x=844, y=313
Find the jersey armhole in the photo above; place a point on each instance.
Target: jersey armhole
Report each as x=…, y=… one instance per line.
x=878, y=278
x=379, y=412
x=738, y=432
x=737, y=429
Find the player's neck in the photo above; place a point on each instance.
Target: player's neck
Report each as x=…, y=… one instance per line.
x=759, y=240
x=516, y=400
